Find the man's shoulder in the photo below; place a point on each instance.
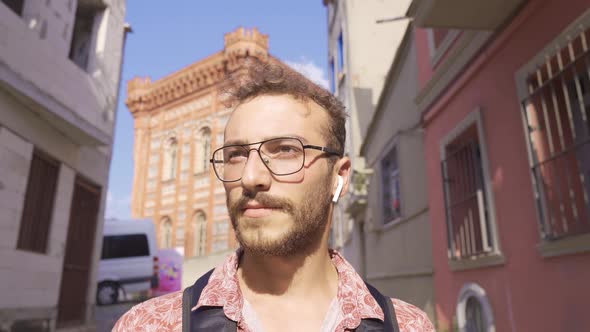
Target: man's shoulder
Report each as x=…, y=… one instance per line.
x=411, y=318
x=162, y=313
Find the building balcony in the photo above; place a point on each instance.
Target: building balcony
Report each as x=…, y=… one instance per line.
x=80, y=103
x=462, y=14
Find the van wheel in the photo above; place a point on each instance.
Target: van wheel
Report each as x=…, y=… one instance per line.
x=107, y=293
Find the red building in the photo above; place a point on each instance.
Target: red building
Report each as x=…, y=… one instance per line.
x=505, y=102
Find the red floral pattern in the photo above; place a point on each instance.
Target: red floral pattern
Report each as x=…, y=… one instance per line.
x=164, y=313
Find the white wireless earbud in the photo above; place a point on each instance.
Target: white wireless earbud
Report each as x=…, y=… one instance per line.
x=338, y=189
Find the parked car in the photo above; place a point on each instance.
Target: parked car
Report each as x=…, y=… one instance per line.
x=129, y=261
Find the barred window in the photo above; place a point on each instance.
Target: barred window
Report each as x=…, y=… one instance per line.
x=469, y=231
x=556, y=112
x=391, y=187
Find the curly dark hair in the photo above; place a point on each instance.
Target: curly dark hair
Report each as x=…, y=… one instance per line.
x=274, y=78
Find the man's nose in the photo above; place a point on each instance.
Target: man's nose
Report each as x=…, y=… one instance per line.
x=256, y=176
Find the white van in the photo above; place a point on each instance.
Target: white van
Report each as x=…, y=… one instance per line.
x=129, y=261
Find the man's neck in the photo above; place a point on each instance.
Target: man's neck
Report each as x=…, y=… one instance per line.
x=292, y=277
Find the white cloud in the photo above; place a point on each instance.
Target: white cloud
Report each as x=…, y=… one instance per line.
x=310, y=70
x=118, y=207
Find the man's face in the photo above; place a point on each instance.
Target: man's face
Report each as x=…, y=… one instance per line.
x=279, y=215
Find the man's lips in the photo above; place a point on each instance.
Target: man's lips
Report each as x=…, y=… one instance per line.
x=257, y=210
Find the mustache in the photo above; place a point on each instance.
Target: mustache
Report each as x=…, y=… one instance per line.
x=263, y=199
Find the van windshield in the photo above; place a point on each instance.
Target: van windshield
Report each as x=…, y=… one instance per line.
x=122, y=246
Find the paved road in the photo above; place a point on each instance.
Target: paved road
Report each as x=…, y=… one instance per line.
x=107, y=315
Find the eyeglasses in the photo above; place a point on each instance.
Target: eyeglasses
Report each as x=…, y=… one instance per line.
x=282, y=156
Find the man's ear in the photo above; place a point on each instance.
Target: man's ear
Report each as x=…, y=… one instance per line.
x=341, y=178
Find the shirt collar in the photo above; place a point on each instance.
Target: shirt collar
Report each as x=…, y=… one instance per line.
x=356, y=302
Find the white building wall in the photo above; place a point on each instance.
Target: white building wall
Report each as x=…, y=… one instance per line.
x=369, y=49
x=407, y=271
x=42, y=71
x=15, y=157
x=49, y=103
x=53, y=21
x=395, y=257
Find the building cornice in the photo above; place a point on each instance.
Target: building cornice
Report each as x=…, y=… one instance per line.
x=143, y=95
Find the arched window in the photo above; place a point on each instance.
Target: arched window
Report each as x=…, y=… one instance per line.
x=203, y=150
x=199, y=233
x=474, y=316
x=170, y=159
x=474, y=311
x=166, y=232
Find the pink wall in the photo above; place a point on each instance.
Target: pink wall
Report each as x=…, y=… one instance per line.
x=528, y=292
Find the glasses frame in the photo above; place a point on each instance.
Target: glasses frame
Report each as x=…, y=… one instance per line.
x=324, y=149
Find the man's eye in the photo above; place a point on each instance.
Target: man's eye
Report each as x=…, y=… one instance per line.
x=287, y=149
x=235, y=156
x=284, y=151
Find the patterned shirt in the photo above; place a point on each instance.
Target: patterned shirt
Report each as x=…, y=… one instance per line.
x=355, y=302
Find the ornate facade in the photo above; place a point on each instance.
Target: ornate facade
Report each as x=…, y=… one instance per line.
x=179, y=121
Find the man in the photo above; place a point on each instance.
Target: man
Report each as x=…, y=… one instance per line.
x=283, y=169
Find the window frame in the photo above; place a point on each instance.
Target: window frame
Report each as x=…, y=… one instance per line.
x=166, y=232
x=332, y=69
x=495, y=256
x=203, y=150
x=571, y=244
x=474, y=291
x=200, y=232
x=108, y=248
x=95, y=15
x=34, y=240
x=340, y=49
x=170, y=160
x=437, y=52
x=392, y=148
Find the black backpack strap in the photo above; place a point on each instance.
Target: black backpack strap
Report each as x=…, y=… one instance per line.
x=390, y=318
x=190, y=298
x=198, y=287
x=186, y=308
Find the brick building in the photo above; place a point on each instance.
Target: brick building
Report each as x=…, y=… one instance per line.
x=179, y=121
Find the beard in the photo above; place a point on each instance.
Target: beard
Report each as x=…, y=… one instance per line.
x=308, y=223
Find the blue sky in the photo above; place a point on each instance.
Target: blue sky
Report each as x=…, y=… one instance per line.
x=168, y=38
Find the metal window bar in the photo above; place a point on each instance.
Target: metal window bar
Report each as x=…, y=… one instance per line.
x=556, y=113
x=469, y=233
